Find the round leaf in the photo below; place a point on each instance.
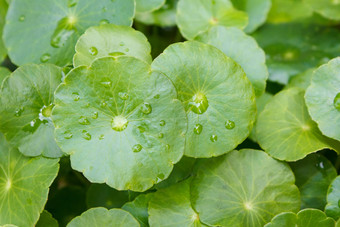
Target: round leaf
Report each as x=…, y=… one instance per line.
x=243, y=188
x=333, y=199
x=99, y=217
x=217, y=96
x=143, y=6
x=46, y=220
x=285, y=130
x=110, y=39
x=52, y=27
x=139, y=208
x=305, y=218
x=327, y=8
x=323, y=98
x=26, y=102
x=195, y=17
x=24, y=184
x=121, y=125
x=243, y=49
x=3, y=11
x=283, y=11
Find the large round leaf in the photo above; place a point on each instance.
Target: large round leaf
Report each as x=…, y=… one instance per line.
x=327, y=8
x=24, y=184
x=99, y=217
x=257, y=11
x=4, y=72
x=283, y=11
x=139, y=208
x=121, y=125
x=217, y=96
x=243, y=188
x=243, y=49
x=51, y=27
x=323, y=98
x=333, y=199
x=172, y=207
x=3, y=11
x=313, y=176
x=305, y=218
x=26, y=101
x=110, y=39
x=285, y=130
x=144, y=6
x=197, y=16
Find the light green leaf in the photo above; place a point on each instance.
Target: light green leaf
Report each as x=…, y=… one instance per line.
x=301, y=80
x=3, y=11
x=145, y=6
x=26, y=102
x=305, y=218
x=313, y=176
x=111, y=40
x=283, y=11
x=257, y=11
x=296, y=47
x=285, y=130
x=327, y=8
x=4, y=72
x=323, y=98
x=197, y=16
x=333, y=199
x=122, y=125
x=139, y=208
x=46, y=220
x=243, y=49
x=243, y=188
x=24, y=185
x=99, y=217
x=217, y=96
x=172, y=207
x=52, y=27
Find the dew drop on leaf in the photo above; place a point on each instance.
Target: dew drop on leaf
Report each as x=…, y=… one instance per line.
x=229, y=124
x=213, y=138
x=121, y=44
x=45, y=57
x=93, y=51
x=106, y=84
x=199, y=103
x=22, y=18
x=167, y=146
x=336, y=101
x=127, y=50
x=76, y=96
x=123, y=95
x=137, y=148
x=18, y=112
x=101, y=137
x=198, y=129
x=65, y=29
x=160, y=135
x=141, y=129
x=86, y=135
x=103, y=104
x=115, y=54
x=71, y=3
x=83, y=121
x=104, y=21
x=95, y=115
x=146, y=108
x=68, y=134
x=156, y=96
x=162, y=123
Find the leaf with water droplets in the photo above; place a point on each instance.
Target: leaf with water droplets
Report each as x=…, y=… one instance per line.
x=120, y=147
x=3, y=11
x=327, y=8
x=145, y=6
x=99, y=217
x=54, y=31
x=304, y=218
x=206, y=14
x=243, y=188
x=323, y=98
x=332, y=208
x=111, y=40
x=213, y=89
x=26, y=102
x=24, y=185
x=286, y=131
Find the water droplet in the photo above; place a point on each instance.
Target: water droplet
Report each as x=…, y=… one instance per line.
x=123, y=95
x=162, y=123
x=213, y=138
x=336, y=101
x=101, y=137
x=71, y=3
x=18, y=112
x=104, y=21
x=119, y=123
x=320, y=165
x=167, y=146
x=86, y=135
x=199, y=103
x=160, y=135
x=33, y=125
x=64, y=30
x=116, y=54
x=160, y=177
x=93, y=51
x=22, y=18
x=156, y=96
x=121, y=44
x=45, y=57
x=137, y=148
x=103, y=104
x=141, y=129
x=76, y=96
x=68, y=134
x=83, y=121
x=95, y=115
x=198, y=129
x=229, y=124
x=127, y=49
x=146, y=108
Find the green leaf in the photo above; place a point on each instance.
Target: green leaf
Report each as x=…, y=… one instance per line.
x=296, y=47
x=111, y=40
x=243, y=49
x=46, y=220
x=195, y=17
x=257, y=11
x=3, y=11
x=172, y=207
x=323, y=98
x=305, y=218
x=144, y=6
x=52, y=27
x=139, y=208
x=122, y=125
x=99, y=217
x=313, y=175
x=4, y=72
x=301, y=80
x=217, y=96
x=285, y=130
x=327, y=8
x=24, y=185
x=283, y=11
x=26, y=102
x=332, y=208
x=243, y=188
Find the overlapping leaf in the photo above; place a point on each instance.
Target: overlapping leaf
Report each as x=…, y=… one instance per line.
x=333, y=199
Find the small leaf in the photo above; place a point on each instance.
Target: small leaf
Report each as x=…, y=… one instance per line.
x=139, y=208
x=46, y=220
x=4, y=72
x=301, y=80
x=327, y=8
x=333, y=197
x=283, y=11
x=144, y=6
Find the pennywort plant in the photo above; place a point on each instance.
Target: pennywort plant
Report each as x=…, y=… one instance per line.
x=169, y=113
